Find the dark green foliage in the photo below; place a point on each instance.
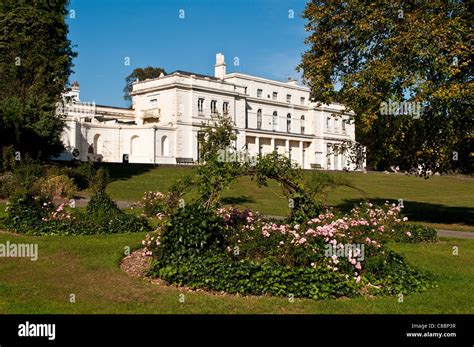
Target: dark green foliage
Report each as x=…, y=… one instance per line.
x=140, y=74
x=393, y=275
x=24, y=214
x=101, y=204
x=35, y=64
x=31, y=215
x=414, y=233
x=218, y=272
x=195, y=231
x=362, y=54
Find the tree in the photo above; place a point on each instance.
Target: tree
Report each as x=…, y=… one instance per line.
x=405, y=68
x=35, y=64
x=140, y=74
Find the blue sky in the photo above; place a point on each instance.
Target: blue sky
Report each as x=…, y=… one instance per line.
x=104, y=32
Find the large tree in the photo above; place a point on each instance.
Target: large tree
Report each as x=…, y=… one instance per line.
x=370, y=55
x=140, y=74
x=35, y=64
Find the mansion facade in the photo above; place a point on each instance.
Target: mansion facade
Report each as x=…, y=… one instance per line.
x=168, y=113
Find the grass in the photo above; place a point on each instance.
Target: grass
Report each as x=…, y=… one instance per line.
x=445, y=202
x=87, y=266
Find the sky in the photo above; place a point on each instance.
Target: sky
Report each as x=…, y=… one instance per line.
x=107, y=34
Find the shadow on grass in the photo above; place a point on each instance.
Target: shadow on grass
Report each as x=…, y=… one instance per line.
x=424, y=212
x=119, y=171
x=236, y=200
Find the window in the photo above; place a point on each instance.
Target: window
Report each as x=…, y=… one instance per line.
x=275, y=121
x=302, y=100
x=288, y=122
x=259, y=93
x=275, y=95
x=336, y=123
x=153, y=102
x=225, y=107
x=302, y=124
x=288, y=97
x=344, y=125
x=328, y=122
x=135, y=145
x=98, y=144
x=213, y=107
x=165, y=148
x=200, y=106
x=259, y=119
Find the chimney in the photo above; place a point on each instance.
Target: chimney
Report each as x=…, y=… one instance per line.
x=74, y=93
x=291, y=81
x=220, y=67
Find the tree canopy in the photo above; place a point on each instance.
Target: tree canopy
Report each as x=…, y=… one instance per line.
x=35, y=64
x=140, y=74
x=375, y=57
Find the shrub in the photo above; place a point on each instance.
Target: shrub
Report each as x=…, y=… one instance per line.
x=8, y=158
x=7, y=185
x=56, y=187
x=101, y=204
x=328, y=256
x=82, y=175
x=24, y=214
x=34, y=216
x=414, y=233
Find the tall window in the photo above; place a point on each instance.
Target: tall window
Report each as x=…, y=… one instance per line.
x=213, y=107
x=153, y=102
x=259, y=119
x=344, y=125
x=288, y=122
x=328, y=122
x=302, y=124
x=135, y=145
x=288, y=97
x=275, y=121
x=274, y=95
x=225, y=107
x=259, y=93
x=165, y=148
x=336, y=123
x=302, y=100
x=200, y=106
x=98, y=144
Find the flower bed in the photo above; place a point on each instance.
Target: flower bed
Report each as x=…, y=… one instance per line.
x=36, y=217
x=328, y=256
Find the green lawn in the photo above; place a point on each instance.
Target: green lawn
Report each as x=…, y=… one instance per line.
x=441, y=201
x=87, y=266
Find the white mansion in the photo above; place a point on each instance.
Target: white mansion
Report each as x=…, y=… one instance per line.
x=168, y=112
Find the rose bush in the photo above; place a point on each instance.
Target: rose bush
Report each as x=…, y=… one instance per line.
x=239, y=252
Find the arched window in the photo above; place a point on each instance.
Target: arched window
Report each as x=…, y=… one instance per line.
x=275, y=121
x=288, y=122
x=259, y=119
x=135, y=145
x=302, y=124
x=98, y=144
x=165, y=148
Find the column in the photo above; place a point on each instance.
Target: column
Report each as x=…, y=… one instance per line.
x=257, y=144
x=301, y=155
x=287, y=148
x=272, y=143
